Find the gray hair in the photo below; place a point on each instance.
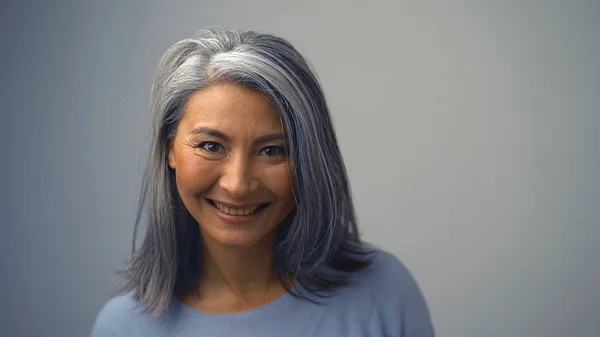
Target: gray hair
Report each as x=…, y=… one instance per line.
x=318, y=237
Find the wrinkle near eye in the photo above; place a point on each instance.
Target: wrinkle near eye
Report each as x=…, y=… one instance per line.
x=190, y=144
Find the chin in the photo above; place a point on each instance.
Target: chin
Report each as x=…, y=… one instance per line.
x=238, y=239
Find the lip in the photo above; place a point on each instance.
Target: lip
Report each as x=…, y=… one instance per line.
x=236, y=219
x=236, y=206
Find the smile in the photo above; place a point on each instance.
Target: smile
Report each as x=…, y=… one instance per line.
x=237, y=211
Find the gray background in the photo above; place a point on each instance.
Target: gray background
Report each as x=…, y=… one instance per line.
x=470, y=130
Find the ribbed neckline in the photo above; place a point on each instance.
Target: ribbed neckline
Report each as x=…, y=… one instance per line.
x=277, y=304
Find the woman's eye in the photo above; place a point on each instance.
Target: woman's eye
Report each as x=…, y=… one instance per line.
x=273, y=151
x=211, y=147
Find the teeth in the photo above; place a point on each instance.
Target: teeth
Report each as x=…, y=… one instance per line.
x=235, y=211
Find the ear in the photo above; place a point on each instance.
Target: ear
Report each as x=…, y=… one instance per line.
x=171, y=157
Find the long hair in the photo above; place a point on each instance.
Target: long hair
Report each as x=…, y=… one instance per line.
x=318, y=243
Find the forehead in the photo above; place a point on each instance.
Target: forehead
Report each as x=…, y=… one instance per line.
x=233, y=109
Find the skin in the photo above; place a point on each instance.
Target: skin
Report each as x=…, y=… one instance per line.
x=229, y=148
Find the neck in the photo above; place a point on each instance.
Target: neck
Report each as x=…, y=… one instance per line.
x=236, y=279
x=239, y=270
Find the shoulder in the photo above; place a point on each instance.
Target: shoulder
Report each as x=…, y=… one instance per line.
x=114, y=315
x=387, y=264
x=386, y=274
x=395, y=299
x=123, y=316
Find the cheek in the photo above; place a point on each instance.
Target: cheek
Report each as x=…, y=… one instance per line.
x=280, y=182
x=194, y=174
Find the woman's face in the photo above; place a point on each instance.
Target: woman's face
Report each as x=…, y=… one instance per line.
x=231, y=165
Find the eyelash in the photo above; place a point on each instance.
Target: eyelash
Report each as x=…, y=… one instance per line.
x=281, y=150
x=204, y=144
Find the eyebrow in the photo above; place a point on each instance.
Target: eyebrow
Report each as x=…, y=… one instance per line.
x=216, y=133
x=210, y=132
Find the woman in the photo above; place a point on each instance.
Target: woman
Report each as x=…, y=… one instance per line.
x=251, y=229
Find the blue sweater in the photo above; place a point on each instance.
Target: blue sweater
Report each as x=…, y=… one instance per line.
x=383, y=300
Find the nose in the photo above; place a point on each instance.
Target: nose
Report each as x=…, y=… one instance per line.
x=237, y=177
